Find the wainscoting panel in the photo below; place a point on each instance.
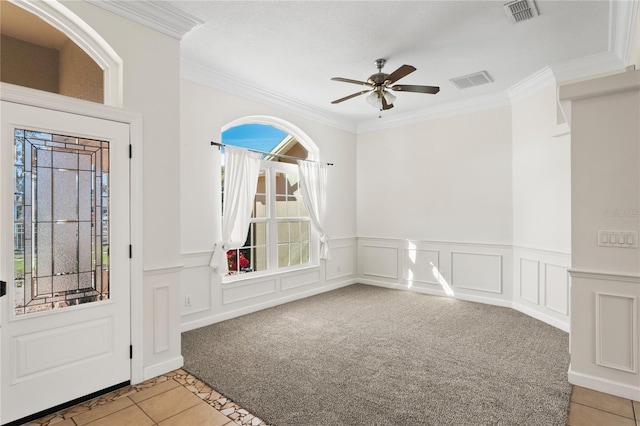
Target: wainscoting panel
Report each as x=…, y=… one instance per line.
x=380, y=261
x=299, y=280
x=616, y=332
x=420, y=265
x=238, y=292
x=161, y=319
x=162, y=351
x=342, y=263
x=556, y=288
x=605, y=332
x=473, y=271
x=214, y=299
x=541, y=285
x=530, y=280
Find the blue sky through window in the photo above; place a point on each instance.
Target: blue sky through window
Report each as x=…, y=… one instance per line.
x=261, y=137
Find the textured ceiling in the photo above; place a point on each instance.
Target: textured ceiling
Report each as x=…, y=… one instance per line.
x=293, y=48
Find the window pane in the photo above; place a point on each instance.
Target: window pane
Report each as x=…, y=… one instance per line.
x=304, y=256
x=304, y=231
x=259, y=234
x=281, y=183
x=292, y=207
x=294, y=254
x=283, y=255
x=283, y=232
x=260, y=259
x=294, y=231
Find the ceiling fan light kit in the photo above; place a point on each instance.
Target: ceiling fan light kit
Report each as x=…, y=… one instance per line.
x=380, y=83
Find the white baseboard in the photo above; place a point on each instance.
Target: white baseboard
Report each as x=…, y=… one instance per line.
x=163, y=367
x=562, y=325
x=465, y=297
x=202, y=322
x=603, y=385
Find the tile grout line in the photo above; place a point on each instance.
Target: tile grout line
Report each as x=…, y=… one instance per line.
x=604, y=411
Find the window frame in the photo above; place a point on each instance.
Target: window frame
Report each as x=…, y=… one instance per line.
x=271, y=168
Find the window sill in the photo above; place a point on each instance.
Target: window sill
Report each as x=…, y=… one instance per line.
x=231, y=279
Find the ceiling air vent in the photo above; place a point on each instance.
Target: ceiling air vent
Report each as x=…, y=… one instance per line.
x=475, y=79
x=521, y=10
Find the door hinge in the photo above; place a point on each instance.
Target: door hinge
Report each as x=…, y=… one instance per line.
x=3, y=288
x=130, y=151
x=130, y=351
x=130, y=252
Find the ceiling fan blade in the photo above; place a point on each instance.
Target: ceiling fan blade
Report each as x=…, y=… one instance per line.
x=417, y=89
x=385, y=105
x=348, y=80
x=350, y=96
x=403, y=71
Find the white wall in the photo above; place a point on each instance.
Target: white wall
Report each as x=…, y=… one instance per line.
x=474, y=206
x=447, y=179
x=204, y=111
x=605, y=177
x=541, y=208
x=435, y=207
x=151, y=89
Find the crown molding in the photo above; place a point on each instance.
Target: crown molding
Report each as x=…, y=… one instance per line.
x=532, y=84
x=479, y=103
x=197, y=73
x=588, y=66
x=159, y=16
x=621, y=28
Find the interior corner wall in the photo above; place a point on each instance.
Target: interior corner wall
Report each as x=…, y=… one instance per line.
x=204, y=112
x=435, y=206
x=151, y=79
x=541, y=209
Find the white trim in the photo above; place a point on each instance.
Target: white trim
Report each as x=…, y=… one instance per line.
x=603, y=385
x=604, y=276
x=534, y=313
x=466, y=106
x=58, y=16
x=622, y=27
x=156, y=370
x=197, y=73
x=159, y=16
x=532, y=84
x=37, y=98
x=634, y=333
x=587, y=66
x=192, y=325
x=164, y=270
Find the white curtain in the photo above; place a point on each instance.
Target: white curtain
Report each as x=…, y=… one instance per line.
x=241, y=172
x=313, y=181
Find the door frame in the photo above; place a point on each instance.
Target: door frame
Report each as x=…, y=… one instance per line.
x=37, y=98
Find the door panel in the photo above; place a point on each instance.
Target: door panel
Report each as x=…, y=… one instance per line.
x=65, y=322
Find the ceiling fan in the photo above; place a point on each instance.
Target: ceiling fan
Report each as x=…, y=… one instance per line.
x=380, y=83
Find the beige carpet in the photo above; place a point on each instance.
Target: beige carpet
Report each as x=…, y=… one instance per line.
x=365, y=355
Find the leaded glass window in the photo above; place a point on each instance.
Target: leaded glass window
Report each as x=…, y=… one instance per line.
x=61, y=221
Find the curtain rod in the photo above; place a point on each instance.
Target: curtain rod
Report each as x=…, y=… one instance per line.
x=288, y=157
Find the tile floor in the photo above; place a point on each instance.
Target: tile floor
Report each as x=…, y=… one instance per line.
x=179, y=399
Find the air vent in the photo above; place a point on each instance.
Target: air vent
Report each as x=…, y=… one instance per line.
x=521, y=10
x=475, y=79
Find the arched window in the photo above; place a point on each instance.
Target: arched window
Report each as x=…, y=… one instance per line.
x=280, y=235
x=47, y=47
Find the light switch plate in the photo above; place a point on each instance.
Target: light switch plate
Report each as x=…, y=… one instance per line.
x=620, y=239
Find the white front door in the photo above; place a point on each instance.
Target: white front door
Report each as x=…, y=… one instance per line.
x=64, y=235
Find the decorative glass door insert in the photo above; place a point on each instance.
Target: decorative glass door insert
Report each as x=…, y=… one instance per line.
x=61, y=221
